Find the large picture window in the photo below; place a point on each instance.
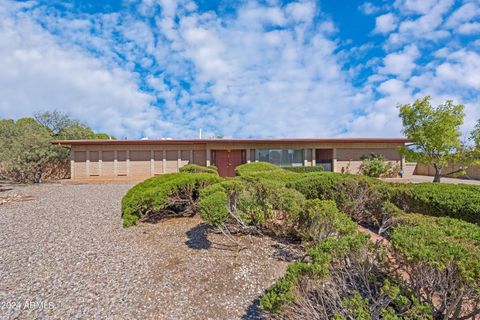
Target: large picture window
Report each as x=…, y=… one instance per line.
x=281, y=157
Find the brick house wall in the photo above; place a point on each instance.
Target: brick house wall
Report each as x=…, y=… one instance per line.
x=140, y=159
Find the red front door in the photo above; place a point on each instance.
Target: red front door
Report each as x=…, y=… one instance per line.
x=226, y=161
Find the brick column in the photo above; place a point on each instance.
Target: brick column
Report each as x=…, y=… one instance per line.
x=179, y=159
x=305, y=157
x=152, y=163
x=208, y=156
x=115, y=163
x=128, y=162
x=164, y=161
x=88, y=163
x=314, y=157
x=72, y=164
x=334, y=160
x=100, y=162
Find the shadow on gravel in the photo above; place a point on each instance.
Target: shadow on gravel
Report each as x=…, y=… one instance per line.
x=197, y=237
x=287, y=252
x=253, y=311
x=5, y=186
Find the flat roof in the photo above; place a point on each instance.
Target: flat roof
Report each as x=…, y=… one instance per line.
x=204, y=141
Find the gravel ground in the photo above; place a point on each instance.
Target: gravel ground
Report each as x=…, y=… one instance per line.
x=64, y=254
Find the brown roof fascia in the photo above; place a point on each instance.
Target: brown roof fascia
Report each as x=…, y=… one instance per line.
x=204, y=141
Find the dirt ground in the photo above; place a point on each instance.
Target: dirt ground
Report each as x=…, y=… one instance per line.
x=65, y=254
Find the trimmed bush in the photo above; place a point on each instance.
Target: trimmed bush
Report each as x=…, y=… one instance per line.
x=255, y=167
x=456, y=201
x=195, y=168
x=360, y=197
x=442, y=259
x=304, y=169
x=213, y=207
x=174, y=193
x=320, y=219
x=356, y=194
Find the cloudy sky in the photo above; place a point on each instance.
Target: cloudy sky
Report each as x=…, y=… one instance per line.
x=165, y=68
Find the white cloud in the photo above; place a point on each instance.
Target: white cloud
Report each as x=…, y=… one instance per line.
x=266, y=69
x=38, y=73
x=368, y=8
x=469, y=28
x=462, y=68
x=385, y=23
x=416, y=6
x=423, y=27
x=401, y=64
x=463, y=14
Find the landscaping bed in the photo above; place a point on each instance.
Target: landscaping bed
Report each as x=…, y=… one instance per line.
x=426, y=267
x=66, y=250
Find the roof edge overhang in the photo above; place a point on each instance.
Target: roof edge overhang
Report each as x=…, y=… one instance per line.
x=205, y=141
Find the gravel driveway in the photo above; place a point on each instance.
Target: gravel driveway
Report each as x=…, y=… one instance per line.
x=64, y=254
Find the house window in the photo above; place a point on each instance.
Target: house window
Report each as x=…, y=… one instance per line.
x=281, y=157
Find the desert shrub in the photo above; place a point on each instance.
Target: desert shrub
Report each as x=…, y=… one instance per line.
x=330, y=234
x=361, y=197
x=195, y=168
x=456, y=201
x=175, y=193
x=374, y=165
x=346, y=278
x=442, y=259
x=254, y=167
x=320, y=219
x=304, y=169
x=26, y=152
x=252, y=204
x=213, y=207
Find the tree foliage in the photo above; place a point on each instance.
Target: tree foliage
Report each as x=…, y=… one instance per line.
x=434, y=132
x=26, y=152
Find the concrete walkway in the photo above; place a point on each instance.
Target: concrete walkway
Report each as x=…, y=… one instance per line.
x=418, y=179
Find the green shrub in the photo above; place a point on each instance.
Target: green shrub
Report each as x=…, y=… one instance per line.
x=374, y=165
x=439, y=242
x=304, y=169
x=195, y=168
x=254, y=167
x=320, y=219
x=442, y=258
x=213, y=207
x=360, y=197
x=321, y=256
x=356, y=194
x=456, y=201
x=162, y=192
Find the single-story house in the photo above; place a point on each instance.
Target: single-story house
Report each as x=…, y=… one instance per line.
x=140, y=159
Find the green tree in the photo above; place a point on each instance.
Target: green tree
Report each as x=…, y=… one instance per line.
x=26, y=152
x=56, y=121
x=434, y=133
x=28, y=149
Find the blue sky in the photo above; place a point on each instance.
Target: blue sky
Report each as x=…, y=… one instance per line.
x=164, y=68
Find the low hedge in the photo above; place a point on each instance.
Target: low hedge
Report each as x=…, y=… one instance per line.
x=352, y=192
x=155, y=194
x=439, y=199
x=363, y=198
x=321, y=256
x=253, y=201
x=304, y=169
x=256, y=167
x=195, y=168
x=439, y=242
